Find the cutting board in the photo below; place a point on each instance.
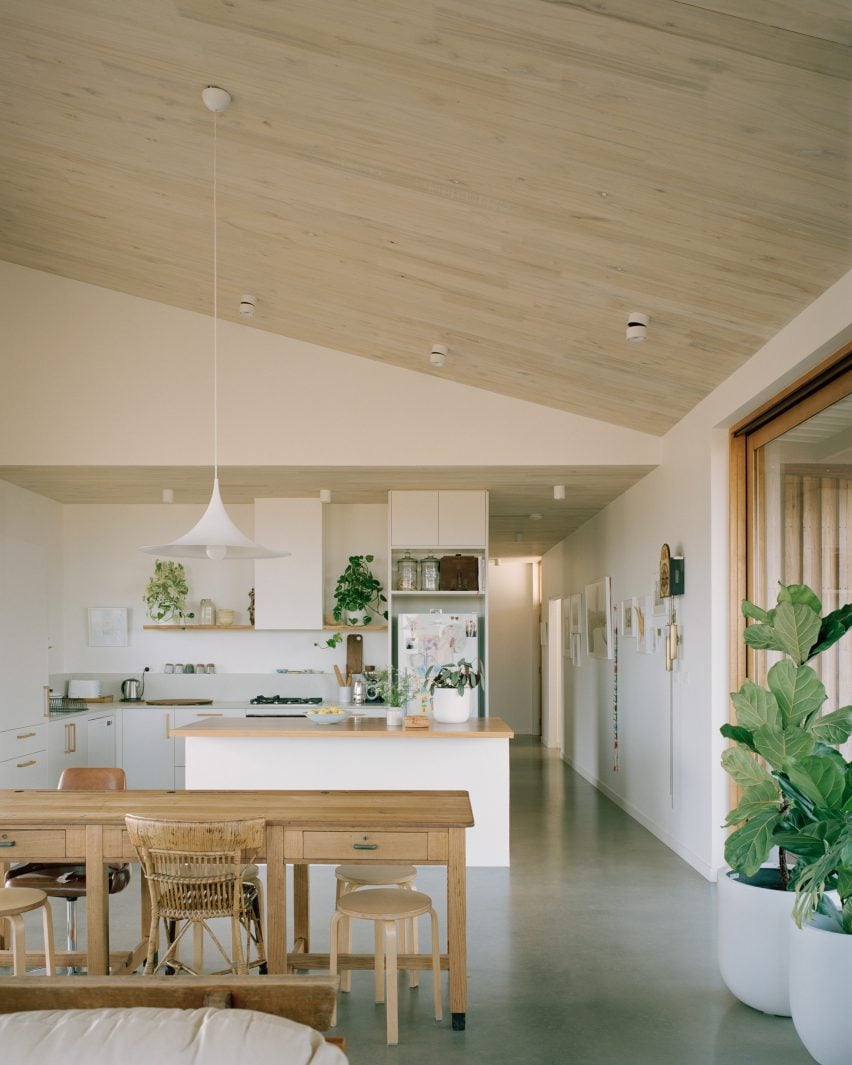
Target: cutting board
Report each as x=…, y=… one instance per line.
x=178, y=702
x=354, y=653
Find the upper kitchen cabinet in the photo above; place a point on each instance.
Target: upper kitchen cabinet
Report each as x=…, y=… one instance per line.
x=439, y=519
x=288, y=591
x=23, y=631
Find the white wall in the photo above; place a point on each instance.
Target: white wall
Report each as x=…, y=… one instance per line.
x=513, y=651
x=103, y=567
x=683, y=503
x=98, y=377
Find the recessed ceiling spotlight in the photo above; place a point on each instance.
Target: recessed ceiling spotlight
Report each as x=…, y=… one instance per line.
x=559, y=491
x=248, y=305
x=325, y=495
x=438, y=354
x=637, y=327
x=535, y=517
x=168, y=495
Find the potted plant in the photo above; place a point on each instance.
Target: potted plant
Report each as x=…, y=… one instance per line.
x=820, y=788
x=166, y=592
x=780, y=724
x=357, y=592
x=450, y=687
x=396, y=687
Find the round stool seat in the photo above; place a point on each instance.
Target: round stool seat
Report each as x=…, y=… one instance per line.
x=384, y=904
x=376, y=874
x=20, y=900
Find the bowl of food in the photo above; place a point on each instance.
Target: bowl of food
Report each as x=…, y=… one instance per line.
x=326, y=715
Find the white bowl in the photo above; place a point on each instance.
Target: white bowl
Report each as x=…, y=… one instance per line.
x=323, y=717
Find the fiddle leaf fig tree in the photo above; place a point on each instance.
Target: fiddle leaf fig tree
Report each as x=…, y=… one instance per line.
x=801, y=772
x=357, y=591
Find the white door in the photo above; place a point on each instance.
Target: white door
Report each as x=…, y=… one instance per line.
x=147, y=748
x=552, y=730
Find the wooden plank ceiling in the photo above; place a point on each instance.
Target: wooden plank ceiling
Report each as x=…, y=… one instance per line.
x=507, y=177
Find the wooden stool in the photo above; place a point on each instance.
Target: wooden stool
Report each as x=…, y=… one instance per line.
x=386, y=906
x=352, y=877
x=14, y=902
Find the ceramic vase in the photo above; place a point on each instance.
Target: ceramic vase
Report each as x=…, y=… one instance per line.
x=753, y=939
x=448, y=706
x=821, y=990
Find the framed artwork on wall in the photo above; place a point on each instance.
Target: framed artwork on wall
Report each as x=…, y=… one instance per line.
x=628, y=619
x=599, y=618
x=107, y=626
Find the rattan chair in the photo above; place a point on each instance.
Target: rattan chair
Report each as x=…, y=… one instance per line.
x=196, y=871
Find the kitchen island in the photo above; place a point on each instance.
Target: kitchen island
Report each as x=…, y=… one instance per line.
x=360, y=754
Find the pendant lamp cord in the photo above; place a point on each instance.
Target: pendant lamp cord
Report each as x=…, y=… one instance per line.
x=215, y=305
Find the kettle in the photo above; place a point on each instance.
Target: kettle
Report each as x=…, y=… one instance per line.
x=359, y=689
x=132, y=689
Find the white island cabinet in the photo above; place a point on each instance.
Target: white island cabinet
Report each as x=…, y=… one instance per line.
x=363, y=754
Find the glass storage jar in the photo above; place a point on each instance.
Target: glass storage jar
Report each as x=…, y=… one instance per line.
x=206, y=612
x=429, y=573
x=406, y=573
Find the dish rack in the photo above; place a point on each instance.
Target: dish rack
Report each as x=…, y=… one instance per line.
x=60, y=703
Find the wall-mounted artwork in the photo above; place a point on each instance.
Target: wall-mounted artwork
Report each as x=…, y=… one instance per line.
x=645, y=625
x=107, y=626
x=572, y=626
x=628, y=619
x=599, y=618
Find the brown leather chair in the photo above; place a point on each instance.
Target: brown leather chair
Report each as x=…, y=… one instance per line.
x=69, y=881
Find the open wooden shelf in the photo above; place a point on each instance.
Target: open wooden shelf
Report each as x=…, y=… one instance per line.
x=206, y=628
x=354, y=628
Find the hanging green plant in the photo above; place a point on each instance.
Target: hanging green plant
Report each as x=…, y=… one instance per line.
x=166, y=592
x=358, y=591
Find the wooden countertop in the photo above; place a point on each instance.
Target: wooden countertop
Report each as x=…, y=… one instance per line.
x=487, y=728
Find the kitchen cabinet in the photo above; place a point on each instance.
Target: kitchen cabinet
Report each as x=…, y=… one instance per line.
x=23, y=757
x=101, y=741
x=439, y=519
x=23, y=631
x=147, y=749
x=188, y=716
x=66, y=747
x=288, y=591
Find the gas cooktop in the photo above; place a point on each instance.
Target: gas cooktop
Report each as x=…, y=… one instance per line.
x=285, y=700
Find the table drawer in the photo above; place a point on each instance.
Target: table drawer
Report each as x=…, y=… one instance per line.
x=19, y=843
x=380, y=846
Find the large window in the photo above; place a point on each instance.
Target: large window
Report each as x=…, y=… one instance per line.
x=792, y=480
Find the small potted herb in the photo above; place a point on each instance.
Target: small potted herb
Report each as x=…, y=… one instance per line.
x=396, y=687
x=166, y=592
x=450, y=687
x=357, y=593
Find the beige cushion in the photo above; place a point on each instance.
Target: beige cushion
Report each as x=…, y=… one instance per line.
x=140, y=1036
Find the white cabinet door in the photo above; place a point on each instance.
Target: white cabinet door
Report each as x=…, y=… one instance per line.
x=25, y=771
x=462, y=519
x=66, y=747
x=101, y=740
x=183, y=717
x=23, y=631
x=414, y=519
x=147, y=749
x=288, y=591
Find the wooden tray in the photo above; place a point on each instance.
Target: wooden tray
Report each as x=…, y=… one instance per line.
x=100, y=699
x=178, y=702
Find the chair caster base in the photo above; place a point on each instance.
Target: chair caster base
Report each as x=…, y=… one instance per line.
x=459, y=1020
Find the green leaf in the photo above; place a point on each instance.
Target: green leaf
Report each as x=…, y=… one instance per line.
x=748, y=848
x=763, y=796
x=835, y=727
x=755, y=706
x=778, y=746
x=834, y=627
x=763, y=638
x=805, y=844
x=797, y=627
x=820, y=779
x=800, y=593
x=751, y=610
x=738, y=735
x=744, y=769
x=798, y=691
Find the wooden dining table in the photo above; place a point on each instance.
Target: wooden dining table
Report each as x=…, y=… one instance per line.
x=303, y=828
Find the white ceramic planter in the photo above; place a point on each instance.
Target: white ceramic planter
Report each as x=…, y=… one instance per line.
x=448, y=706
x=821, y=991
x=753, y=942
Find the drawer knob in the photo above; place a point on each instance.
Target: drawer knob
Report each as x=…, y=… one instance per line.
x=365, y=846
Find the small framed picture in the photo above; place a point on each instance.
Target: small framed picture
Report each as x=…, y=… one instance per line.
x=645, y=624
x=599, y=618
x=107, y=626
x=627, y=620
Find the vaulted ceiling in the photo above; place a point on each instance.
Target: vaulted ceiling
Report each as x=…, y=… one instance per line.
x=506, y=177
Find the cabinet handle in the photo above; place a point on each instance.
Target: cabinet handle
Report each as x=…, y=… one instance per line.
x=73, y=726
x=7, y=843
x=67, y=738
x=365, y=846
x=166, y=719
x=23, y=765
x=25, y=735
x=211, y=713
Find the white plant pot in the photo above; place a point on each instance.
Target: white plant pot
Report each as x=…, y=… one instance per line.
x=448, y=706
x=753, y=942
x=821, y=991
x=354, y=617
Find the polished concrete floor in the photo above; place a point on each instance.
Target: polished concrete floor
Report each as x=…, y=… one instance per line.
x=596, y=948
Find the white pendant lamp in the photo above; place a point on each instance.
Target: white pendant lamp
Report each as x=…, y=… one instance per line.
x=215, y=536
